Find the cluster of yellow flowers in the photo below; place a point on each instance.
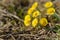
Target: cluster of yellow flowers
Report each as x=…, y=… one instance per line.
x=50, y=9
x=32, y=17
x=32, y=13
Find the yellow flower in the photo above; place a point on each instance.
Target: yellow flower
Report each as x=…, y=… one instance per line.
x=50, y=11
x=34, y=5
x=48, y=4
x=30, y=10
x=35, y=14
x=27, y=17
x=26, y=22
x=35, y=22
x=43, y=22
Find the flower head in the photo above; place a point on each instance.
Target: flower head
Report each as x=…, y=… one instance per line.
x=50, y=11
x=30, y=10
x=43, y=22
x=34, y=5
x=48, y=4
x=35, y=14
x=35, y=22
x=27, y=17
x=27, y=22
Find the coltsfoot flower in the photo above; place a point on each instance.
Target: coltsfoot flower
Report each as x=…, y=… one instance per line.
x=48, y=4
x=43, y=22
x=50, y=11
x=27, y=23
x=34, y=22
x=30, y=10
x=27, y=17
x=35, y=4
x=35, y=14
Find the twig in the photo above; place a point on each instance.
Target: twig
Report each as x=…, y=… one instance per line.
x=5, y=26
x=12, y=37
x=10, y=14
